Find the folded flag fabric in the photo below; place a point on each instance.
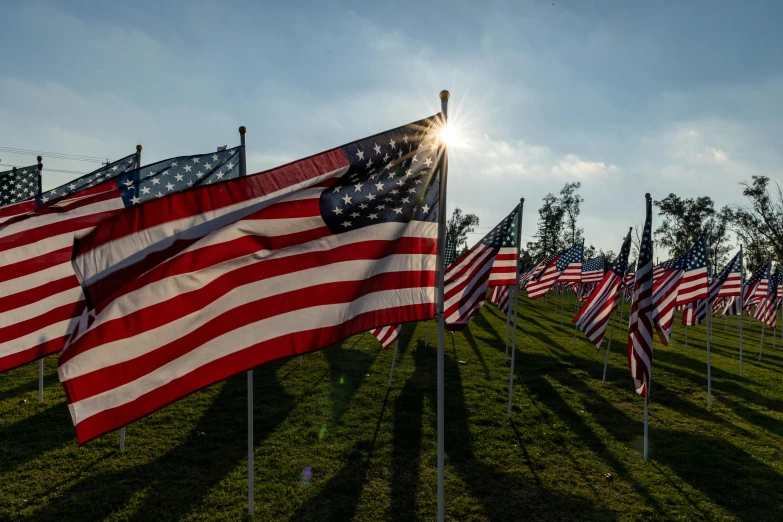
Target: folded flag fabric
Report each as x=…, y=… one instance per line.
x=640, y=326
x=499, y=297
x=40, y=296
x=387, y=335
x=191, y=289
x=466, y=280
x=767, y=306
x=594, y=315
x=83, y=185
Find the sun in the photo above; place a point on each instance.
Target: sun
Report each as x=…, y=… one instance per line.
x=450, y=135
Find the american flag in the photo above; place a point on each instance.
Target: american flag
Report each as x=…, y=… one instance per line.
x=726, y=284
x=81, y=185
x=593, y=270
x=20, y=183
x=499, y=297
x=594, y=315
x=630, y=274
x=640, y=340
x=486, y=264
x=767, y=306
x=451, y=253
x=660, y=270
x=564, y=267
x=40, y=295
x=387, y=335
x=535, y=271
x=757, y=286
x=585, y=290
x=685, y=281
x=215, y=280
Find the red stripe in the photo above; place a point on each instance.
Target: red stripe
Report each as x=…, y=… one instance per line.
x=212, y=197
x=267, y=351
x=35, y=264
x=14, y=360
x=55, y=315
x=156, y=315
x=33, y=295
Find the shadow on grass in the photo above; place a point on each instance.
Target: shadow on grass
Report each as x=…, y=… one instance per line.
x=172, y=485
x=34, y=436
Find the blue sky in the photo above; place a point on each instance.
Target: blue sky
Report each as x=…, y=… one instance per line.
x=626, y=97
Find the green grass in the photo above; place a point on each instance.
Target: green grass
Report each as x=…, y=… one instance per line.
x=373, y=454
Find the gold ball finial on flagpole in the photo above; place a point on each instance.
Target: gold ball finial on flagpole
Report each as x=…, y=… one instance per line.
x=522, y=200
x=444, y=94
x=647, y=196
x=138, y=148
x=242, y=130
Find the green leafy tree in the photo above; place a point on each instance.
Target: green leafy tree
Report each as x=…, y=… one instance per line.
x=458, y=227
x=570, y=202
x=548, y=236
x=759, y=224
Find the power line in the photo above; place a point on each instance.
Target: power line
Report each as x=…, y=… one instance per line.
x=45, y=169
x=53, y=155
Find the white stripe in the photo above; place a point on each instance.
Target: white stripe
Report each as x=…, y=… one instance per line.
x=42, y=220
x=36, y=279
x=236, y=340
x=129, y=348
x=53, y=331
x=50, y=302
x=109, y=257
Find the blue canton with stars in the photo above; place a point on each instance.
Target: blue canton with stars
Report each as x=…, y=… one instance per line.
x=591, y=265
x=112, y=170
x=177, y=174
x=774, y=282
x=694, y=259
x=620, y=264
x=19, y=184
x=504, y=234
x=733, y=266
x=572, y=255
x=391, y=178
x=631, y=268
x=760, y=273
x=451, y=253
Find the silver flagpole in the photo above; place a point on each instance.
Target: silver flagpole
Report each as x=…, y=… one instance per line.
x=394, y=358
x=709, y=366
x=138, y=166
x=516, y=310
x=250, y=442
x=741, y=304
x=440, y=262
x=647, y=415
x=609, y=346
x=508, y=320
x=40, y=361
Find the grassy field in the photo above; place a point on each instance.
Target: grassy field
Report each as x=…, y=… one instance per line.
x=333, y=444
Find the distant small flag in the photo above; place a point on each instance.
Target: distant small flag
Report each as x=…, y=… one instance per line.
x=222, y=148
x=564, y=267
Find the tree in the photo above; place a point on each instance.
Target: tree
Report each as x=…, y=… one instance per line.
x=459, y=226
x=759, y=225
x=684, y=222
x=590, y=252
x=570, y=202
x=550, y=227
x=609, y=256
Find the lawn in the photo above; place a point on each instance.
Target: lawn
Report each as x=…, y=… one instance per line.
x=331, y=443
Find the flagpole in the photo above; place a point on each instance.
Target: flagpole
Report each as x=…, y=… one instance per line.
x=742, y=285
x=40, y=361
x=508, y=320
x=709, y=366
x=609, y=346
x=394, y=358
x=440, y=262
x=516, y=310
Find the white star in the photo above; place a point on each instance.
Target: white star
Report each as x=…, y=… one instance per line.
x=179, y=177
x=425, y=209
x=207, y=166
x=170, y=187
x=415, y=158
x=395, y=191
x=51, y=192
x=188, y=168
x=411, y=190
x=337, y=210
x=337, y=188
x=386, y=158
x=360, y=154
x=145, y=190
x=214, y=157
x=72, y=186
x=158, y=195
x=220, y=175
x=354, y=214
x=347, y=199
x=346, y=224
x=155, y=181
x=358, y=187
x=406, y=200
x=405, y=138
x=379, y=186
x=408, y=172
x=135, y=200
x=173, y=165
x=428, y=162
x=362, y=206
x=369, y=164
x=377, y=148
x=195, y=160
x=398, y=210
x=373, y=216
x=370, y=196
x=392, y=143
x=199, y=174
x=150, y=174
x=44, y=199
x=128, y=183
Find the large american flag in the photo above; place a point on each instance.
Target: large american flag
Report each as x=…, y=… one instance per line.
x=594, y=315
x=640, y=340
x=490, y=262
x=17, y=185
x=207, y=283
x=40, y=295
x=685, y=281
x=83, y=185
x=728, y=283
x=564, y=267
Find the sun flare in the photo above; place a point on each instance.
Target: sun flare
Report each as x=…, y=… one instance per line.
x=450, y=135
